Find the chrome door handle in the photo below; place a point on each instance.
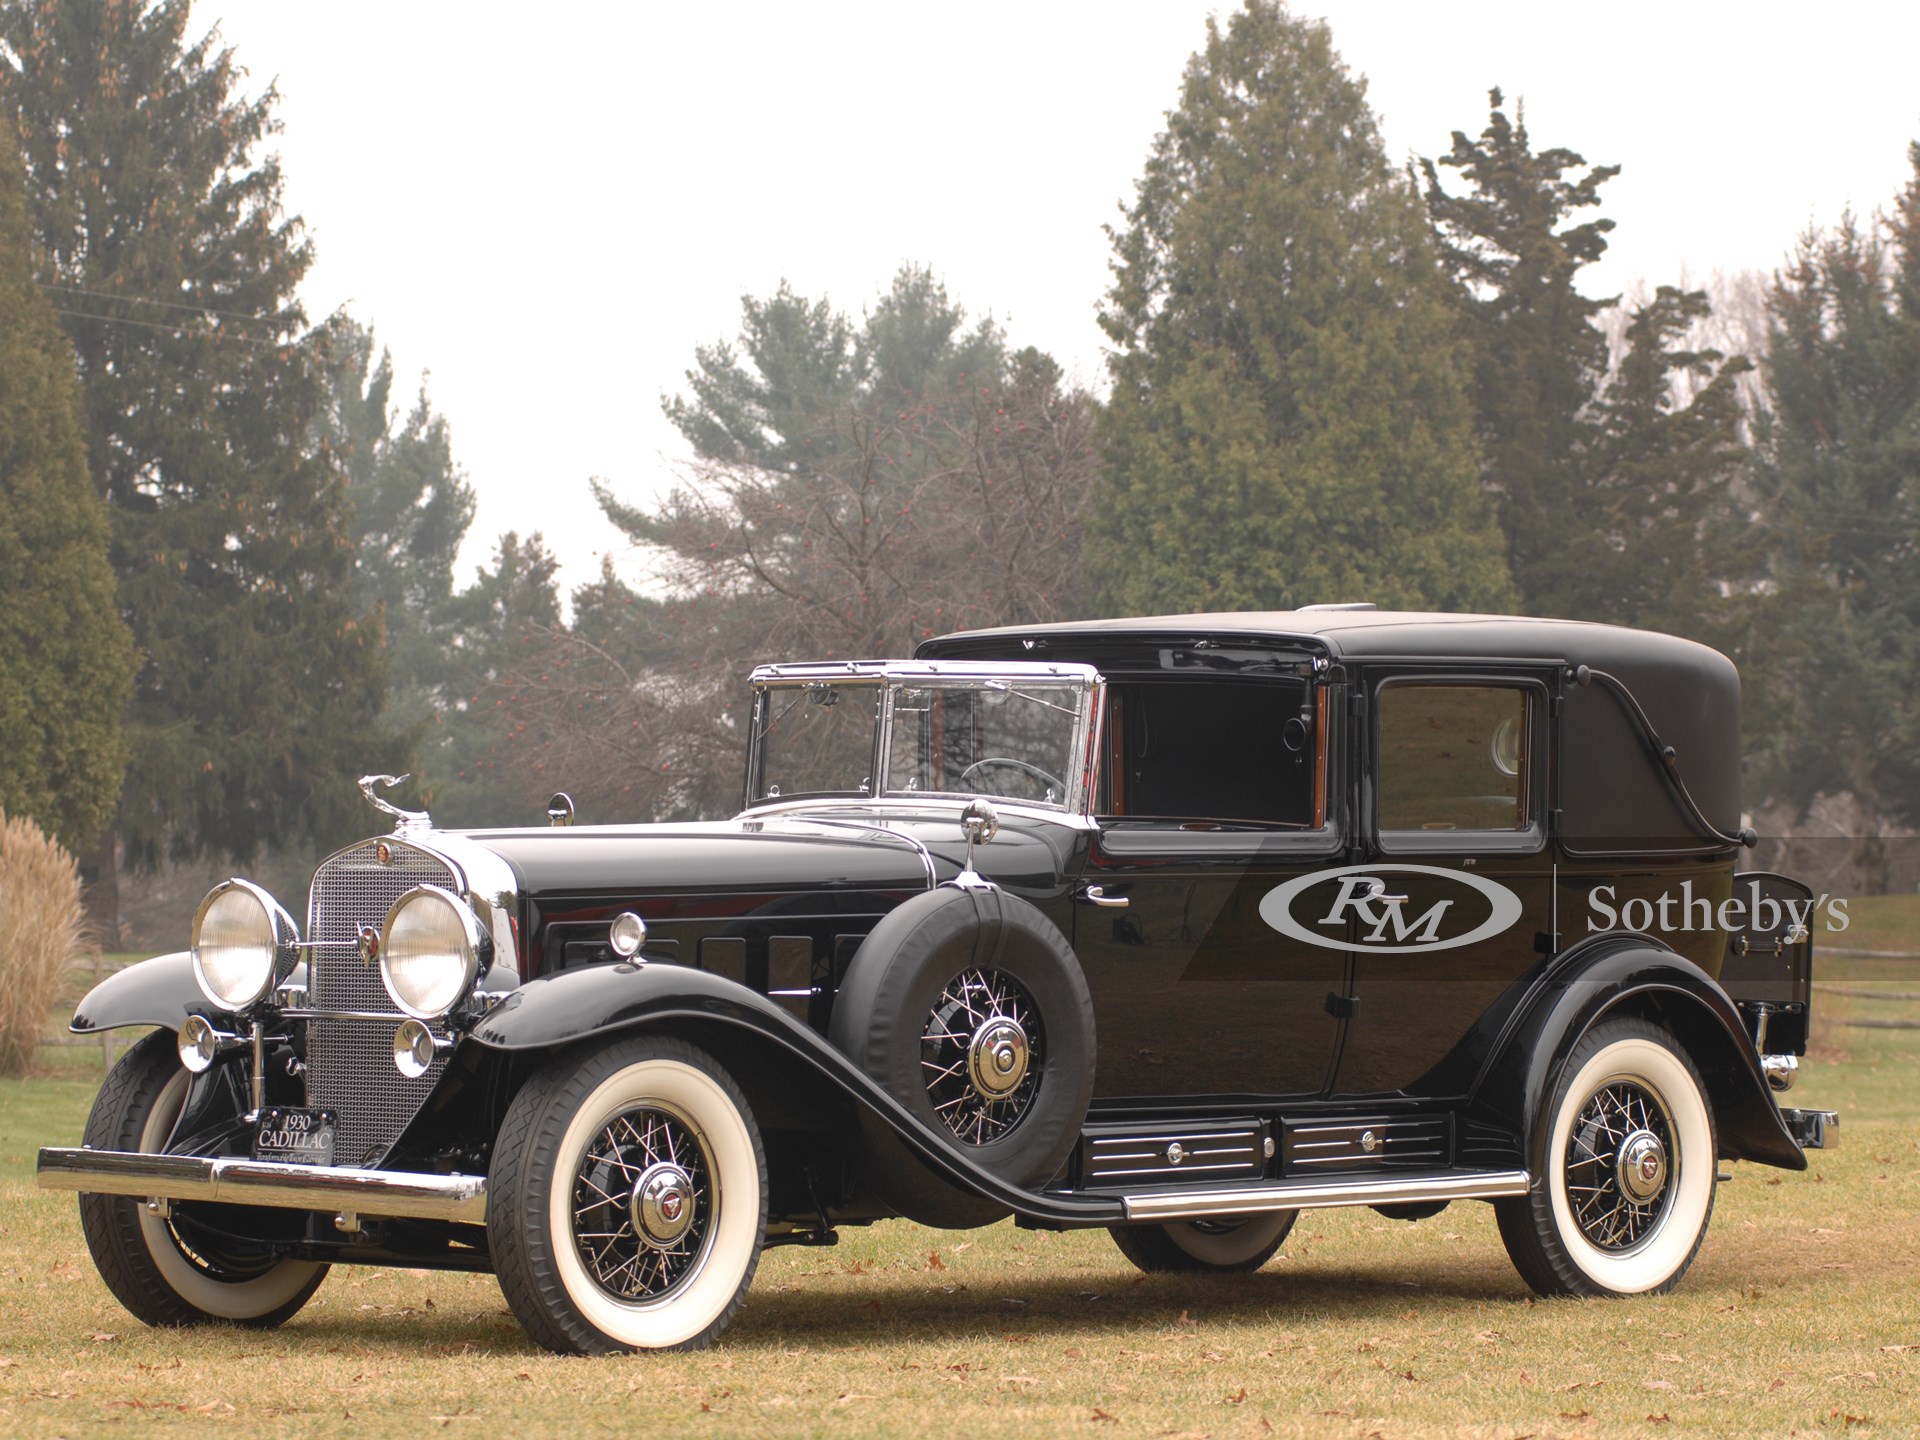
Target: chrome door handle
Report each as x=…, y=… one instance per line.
x=1097, y=895
x=1377, y=890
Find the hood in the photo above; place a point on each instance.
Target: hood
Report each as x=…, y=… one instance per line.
x=743, y=855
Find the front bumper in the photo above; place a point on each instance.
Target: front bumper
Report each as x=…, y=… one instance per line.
x=1813, y=1129
x=348, y=1193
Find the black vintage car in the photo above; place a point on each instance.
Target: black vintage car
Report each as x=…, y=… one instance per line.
x=1173, y=926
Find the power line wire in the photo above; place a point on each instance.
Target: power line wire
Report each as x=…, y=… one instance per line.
x=152, y=300
x=172, y=329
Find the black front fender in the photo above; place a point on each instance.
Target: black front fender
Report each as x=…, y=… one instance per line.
x=160, y=991
x=558, y=1010
x=1633, y=975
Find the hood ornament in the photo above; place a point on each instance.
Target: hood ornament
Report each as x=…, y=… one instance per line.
x=405, y=819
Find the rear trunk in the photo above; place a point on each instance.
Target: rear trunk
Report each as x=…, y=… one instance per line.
x=1769, y=966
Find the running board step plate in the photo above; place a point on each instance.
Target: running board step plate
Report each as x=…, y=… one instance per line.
x=1196, y=1203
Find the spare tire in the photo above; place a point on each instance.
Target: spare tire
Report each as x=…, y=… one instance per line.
x=969, y=1007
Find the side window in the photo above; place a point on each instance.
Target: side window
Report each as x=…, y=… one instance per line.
x=1453, y=757
x=1210, y=754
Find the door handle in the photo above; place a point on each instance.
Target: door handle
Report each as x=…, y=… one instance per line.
x=1377, y=890
x=1097, y=895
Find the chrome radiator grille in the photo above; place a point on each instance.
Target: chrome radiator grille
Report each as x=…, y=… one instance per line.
x=350, y=1062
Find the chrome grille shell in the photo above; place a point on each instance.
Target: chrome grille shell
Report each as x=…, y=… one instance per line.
x=350, y=1067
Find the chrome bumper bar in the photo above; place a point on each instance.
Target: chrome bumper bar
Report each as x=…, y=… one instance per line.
x=1192, y=1203
x=389, y=1194
x=1813, y=1129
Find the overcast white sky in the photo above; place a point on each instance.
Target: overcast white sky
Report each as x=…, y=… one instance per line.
x=550, y=207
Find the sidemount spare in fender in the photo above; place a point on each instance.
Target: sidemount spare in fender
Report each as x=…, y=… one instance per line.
x=1635, y=975
x=575, y=1005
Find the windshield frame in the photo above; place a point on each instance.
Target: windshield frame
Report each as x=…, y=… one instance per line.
x=891, y=677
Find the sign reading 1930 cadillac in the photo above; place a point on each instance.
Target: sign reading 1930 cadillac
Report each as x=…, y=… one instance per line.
x=1174, y=927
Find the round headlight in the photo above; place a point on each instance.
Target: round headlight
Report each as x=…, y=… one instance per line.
x=242, y=938
x=432, y=949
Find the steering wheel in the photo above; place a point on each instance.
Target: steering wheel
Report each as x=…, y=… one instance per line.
x=1007, y=762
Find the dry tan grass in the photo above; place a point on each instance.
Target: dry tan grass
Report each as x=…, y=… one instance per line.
x=1800, y=1318
x=41, y=931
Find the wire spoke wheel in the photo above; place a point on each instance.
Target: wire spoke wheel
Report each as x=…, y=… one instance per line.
x=1627, y=1151
x=643, y=1204
x=981, y=1055
x=1617, y=1165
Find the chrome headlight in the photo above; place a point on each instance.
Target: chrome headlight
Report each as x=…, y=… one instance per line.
x=432, y=950
x=243, y=941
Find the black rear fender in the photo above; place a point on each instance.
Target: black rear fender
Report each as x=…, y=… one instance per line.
x=1618, y=975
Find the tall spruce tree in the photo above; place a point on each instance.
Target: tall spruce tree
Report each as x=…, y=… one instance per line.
x=410, y=506
x=1515, y=249
x=1289, y=419
x=478, y=763
x=1839, y=487
x=174, y=268
x=66, y=658
x=1644, y=537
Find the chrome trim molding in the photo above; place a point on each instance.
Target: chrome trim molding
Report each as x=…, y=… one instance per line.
x=392, y=1194
x=866, y=827
x=1296, y=1195
x=895, y=806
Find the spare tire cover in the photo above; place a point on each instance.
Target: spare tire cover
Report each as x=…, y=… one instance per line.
x=883, y=1011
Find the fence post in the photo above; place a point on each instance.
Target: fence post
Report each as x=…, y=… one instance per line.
x=106, y=1036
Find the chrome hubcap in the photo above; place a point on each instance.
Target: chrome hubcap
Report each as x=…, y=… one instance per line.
x=662, y=1205
x=997, y=1057
x=1642, y=1166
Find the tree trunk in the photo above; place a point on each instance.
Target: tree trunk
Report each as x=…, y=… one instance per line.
x=100, y=882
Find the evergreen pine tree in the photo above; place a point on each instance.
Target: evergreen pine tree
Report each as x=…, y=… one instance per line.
x=1289, y=420
x=1513, y=249
x=1643, y=537
x=1839, y=490
x=174, y=268
x=410, y=507
x=66, y=658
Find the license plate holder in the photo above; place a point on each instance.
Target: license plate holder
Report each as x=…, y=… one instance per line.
x=291, y=1134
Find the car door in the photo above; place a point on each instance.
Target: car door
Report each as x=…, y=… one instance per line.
x=1451, y=904
x=1213, y=794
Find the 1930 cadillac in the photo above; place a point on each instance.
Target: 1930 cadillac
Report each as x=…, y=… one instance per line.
x=1172, y=926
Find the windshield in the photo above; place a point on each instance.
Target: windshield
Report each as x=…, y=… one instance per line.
x=986, y=737
x=815, y=739
x=1002, y=735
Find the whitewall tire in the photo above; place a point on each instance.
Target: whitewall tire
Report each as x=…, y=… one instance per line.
x=1630, y=1170
x=1226, y=1245
x=628, y=1199
x=158, y=1267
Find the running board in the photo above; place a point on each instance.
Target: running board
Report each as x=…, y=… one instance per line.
x=1191, y=1203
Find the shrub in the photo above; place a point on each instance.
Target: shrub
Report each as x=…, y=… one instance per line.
x=41, y=929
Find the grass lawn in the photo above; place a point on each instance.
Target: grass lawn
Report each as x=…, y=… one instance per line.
x=1799, y=1317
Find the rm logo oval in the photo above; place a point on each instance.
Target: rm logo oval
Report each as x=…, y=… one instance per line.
x=1362, y=896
